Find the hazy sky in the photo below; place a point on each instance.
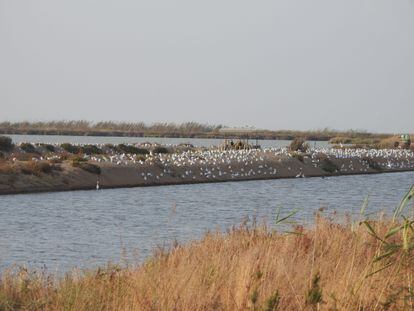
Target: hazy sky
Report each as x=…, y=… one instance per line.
x=291, y=64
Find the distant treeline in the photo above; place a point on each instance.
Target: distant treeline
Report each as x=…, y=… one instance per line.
x=140, y=129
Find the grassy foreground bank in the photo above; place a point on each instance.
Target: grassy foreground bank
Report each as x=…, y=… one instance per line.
x=331, y=266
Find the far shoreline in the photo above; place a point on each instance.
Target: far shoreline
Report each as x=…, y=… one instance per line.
x=149, y=136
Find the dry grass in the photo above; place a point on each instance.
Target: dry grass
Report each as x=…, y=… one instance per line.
x=30, y=167
x=323, y=268
x=390, y=142
x=35, y=167
x=188, y=129
x=7, y=167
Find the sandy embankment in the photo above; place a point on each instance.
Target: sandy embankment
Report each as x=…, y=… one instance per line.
x=116, y=176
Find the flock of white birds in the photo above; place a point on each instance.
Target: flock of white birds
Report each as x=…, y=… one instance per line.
x=213, y=163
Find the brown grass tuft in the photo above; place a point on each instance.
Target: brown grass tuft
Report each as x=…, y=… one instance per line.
x=6, y=167
x=35, y=167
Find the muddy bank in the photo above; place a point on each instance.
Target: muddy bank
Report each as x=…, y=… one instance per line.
x=157, y=173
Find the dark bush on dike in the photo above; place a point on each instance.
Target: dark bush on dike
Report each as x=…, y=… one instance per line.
x=91, y=149
x=328, y=166
x=160, y=149
x=70, y=148
x=48, y=147
x=372, y=163
x=131, y=149
x=298, y=144
x=28, y=148
x=6, y=143
x=89, y=167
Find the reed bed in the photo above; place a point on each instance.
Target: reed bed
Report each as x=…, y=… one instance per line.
x=164, y=129
x=329, y=266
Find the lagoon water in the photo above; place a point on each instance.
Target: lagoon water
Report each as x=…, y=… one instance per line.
x=199, y=142
x=88, y=228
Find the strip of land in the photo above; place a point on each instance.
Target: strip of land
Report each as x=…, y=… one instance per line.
x=187, y=130
x=116, y=170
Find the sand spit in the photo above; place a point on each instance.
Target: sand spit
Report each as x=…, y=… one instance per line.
x=208, y=166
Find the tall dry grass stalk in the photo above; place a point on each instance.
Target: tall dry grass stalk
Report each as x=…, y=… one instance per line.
x=328, y=267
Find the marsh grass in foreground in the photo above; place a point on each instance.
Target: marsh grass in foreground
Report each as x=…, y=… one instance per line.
x=330, y=266
x=333, y=265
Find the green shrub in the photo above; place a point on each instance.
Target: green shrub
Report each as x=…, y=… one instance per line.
x=6, y=143
x=314, y=294
x=91, y=149
x=131, y=149
x=48, y=147
x=272, y=302
x=254, y=296
x=86, y=149
x=70, y=148
x=160, y=149
x=28, y=148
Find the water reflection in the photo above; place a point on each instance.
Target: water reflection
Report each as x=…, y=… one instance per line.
x=164, y=141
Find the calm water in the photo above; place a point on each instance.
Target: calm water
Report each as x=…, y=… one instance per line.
x=165, y=141
x=89, y=228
